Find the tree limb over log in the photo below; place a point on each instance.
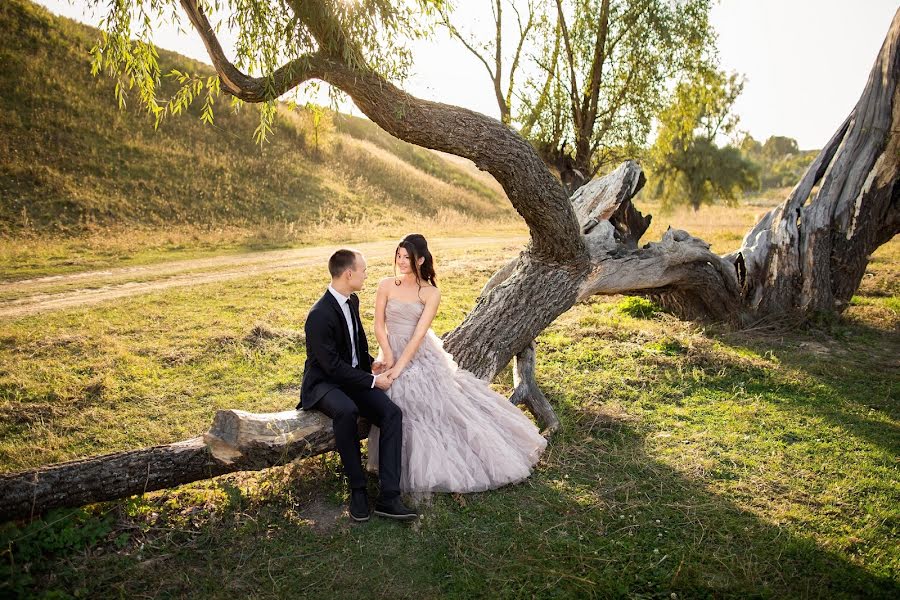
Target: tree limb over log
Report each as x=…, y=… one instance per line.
x=534, y=192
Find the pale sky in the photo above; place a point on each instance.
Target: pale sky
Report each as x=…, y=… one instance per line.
x=805, y=61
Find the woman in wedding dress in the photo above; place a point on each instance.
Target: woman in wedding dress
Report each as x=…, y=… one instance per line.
x=458, y=434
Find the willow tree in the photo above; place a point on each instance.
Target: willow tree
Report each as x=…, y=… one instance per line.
x=806, y=255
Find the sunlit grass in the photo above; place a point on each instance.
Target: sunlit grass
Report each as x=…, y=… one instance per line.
x=693, y=461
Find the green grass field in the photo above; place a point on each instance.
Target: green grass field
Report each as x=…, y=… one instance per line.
x=692, y=461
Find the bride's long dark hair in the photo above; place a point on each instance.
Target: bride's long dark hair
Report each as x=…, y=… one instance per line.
x=417, y=247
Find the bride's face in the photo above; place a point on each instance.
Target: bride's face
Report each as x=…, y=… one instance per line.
x=404, y=262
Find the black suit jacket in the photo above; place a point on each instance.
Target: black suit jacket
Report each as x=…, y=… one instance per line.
x=328, y=355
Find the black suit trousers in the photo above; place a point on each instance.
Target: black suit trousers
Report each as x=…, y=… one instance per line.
x=344, y=405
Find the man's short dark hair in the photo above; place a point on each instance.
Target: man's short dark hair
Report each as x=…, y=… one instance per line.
x=340, y=261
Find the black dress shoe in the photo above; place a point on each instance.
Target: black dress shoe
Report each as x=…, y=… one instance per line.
x=359, y=505
x=394, y=509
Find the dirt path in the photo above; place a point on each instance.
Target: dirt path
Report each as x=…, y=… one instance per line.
x=42, y=294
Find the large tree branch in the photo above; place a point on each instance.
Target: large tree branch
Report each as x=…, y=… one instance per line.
x=238, y=83
x=707, y=286
x=533, y=191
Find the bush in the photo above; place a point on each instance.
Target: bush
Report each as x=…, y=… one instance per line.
x=638, y=308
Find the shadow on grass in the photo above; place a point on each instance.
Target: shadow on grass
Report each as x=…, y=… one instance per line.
x=599, y=518
x=853, y=377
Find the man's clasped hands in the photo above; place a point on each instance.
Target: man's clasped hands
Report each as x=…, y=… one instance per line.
x=386, y=373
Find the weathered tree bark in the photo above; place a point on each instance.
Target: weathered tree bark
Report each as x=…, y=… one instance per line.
x=805, y=256
x=809, y=254
x=528, y=392
x=237, y=441
x=105, y=477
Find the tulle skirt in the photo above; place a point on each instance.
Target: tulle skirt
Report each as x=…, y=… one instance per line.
x=458, y=434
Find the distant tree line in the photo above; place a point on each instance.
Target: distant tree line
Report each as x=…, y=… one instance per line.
x=686, y=164
x=779, y=160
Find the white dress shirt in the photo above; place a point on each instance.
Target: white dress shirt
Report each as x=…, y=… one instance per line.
x=344, y=302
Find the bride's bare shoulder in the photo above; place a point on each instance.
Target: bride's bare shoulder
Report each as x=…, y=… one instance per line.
x=430, y=291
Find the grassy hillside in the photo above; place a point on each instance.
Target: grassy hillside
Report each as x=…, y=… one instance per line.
x=71, y=161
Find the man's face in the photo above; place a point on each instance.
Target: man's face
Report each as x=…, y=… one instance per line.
x=357, y=275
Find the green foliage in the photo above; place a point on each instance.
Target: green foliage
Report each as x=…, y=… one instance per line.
x=686, y=163
x=669, y=346
x=779, y=146
x=610, y=81
x=779, y=161
x=638, y=308
x=36, y=546
x=893, y=304
x=320, y=124
x=269, y=34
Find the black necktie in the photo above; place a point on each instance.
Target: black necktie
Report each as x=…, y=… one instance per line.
x=355, y=320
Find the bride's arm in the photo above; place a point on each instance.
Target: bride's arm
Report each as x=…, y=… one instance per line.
x=381, y=297
x=431, y=306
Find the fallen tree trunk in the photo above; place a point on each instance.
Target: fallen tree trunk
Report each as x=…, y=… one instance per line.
x=106, y=477
x=237, y=441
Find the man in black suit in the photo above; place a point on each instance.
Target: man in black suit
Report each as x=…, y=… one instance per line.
x=338, y=381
